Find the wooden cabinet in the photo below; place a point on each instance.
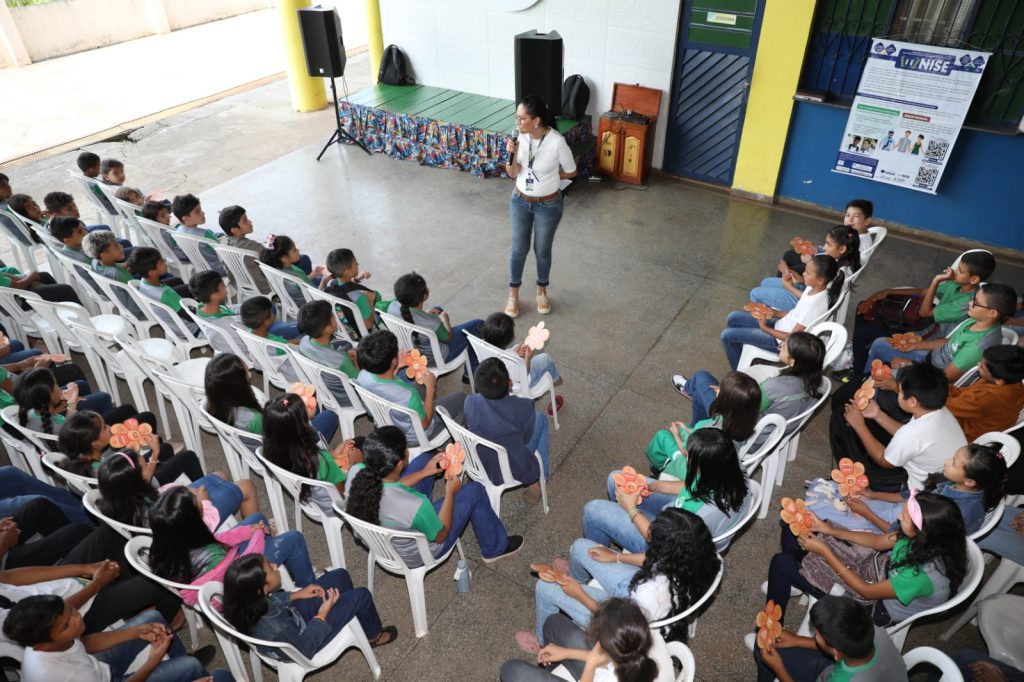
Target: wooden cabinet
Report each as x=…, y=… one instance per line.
x=625, y=134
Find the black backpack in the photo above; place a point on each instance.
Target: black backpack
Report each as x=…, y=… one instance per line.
x=575, y=97
x=393, y=67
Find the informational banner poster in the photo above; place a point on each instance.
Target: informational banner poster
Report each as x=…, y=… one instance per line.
x=909, y=107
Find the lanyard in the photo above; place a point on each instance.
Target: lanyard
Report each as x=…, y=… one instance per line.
x=531, y=152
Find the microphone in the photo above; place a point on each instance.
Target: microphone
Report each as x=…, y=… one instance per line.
x=515, y=139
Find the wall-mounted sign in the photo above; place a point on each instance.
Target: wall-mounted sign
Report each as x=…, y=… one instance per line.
x=721, y=18
x=515, y=5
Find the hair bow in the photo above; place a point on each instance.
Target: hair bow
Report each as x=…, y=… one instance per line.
x=270, y=241
x=914, y=510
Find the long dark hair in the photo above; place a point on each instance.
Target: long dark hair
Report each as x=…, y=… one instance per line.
x=849, y=238
x=289, y=440
x=942, y=539
x=679, y=547
x=125, y=495
x=737, y=404
x=827, y=268
x=714, y=475
x=383, y=450
x=75, y=440
x=244, y=601
x=272, y=255
x=35, y=392
x=410, y=291
x=228, y=388
x=987, y=468
x=536, y=107
x=808, y=353
x=177, y=528
x=625, y=635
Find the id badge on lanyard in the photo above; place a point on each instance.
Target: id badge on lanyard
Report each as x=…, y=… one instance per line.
x=530, y=175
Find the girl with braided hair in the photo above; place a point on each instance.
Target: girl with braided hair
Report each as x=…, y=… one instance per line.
x=44, y=405
x=411, y=294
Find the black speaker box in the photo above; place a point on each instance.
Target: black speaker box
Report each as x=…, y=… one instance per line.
x=539, y=68
x=322, y=42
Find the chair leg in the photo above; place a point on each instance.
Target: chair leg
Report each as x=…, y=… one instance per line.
x=370, y=565
x=899, y=638
x=335, y=547
x=257, y=666
x=1005, y=576
x=418, y=600
x=554, y=412
x=768, y=473
x=193, y=626
x=794, y=443
x=364, y=645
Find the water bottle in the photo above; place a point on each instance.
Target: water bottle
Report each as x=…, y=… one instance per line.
x=462, y=576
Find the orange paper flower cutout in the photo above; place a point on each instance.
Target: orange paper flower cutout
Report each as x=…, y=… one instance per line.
x=451, y=462
x=905, y=342
x=129, y=434
x=864, y=394
x=550, y=574
x=415, y=364
x=769, y=625
x=794, y=513
x=760, y=311
x=880, y=371
x=630, y=482
x=803, y=246
x=307, y=393
x=850, y=477
x=537, y=337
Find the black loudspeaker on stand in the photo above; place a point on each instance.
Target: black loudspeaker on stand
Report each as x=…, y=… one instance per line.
x=322, y=43
x=539, y=68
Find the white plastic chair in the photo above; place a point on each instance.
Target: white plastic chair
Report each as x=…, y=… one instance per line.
x=382, y=412
x=137, y=552
x=315, y=294
x=677, y=650
x=925, y=654
x=1000, y=624
x=516, y=371
x=312, y=372
x=282, y=481
x=298, y=666
x=103, y=214
x=474, y=466
x=196, y=248
x=187, y=400
x=23, y=247
x=77, y=275
x=21, y=323
x=774, y=425
x=157, y=235
x=283, y=285
x=405, y=332
x=751, y=505
x=665, y=623
x=878, y=235
x=23, y=455
x=31, y=446
x=219, y=339
x=78, y=484
x=381, y=552
x=832, y=334
x=91, y=503
x=129, y=215
x=236, y=261
x=269, y=357
x=176, y=330
x=59, y=315
x=1009, y=447
x=239, y=449
x=129, y=303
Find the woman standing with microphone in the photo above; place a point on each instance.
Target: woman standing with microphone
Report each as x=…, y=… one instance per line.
x=538, y=165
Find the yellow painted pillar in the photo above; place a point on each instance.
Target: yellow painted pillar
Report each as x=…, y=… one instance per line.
x=375, y=36
x=785, y=28
x=307, y=93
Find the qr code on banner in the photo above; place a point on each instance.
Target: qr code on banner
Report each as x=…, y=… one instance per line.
x=926, y=176
x=936, y=150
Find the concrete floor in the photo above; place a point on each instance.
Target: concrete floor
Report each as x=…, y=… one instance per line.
x=641, y=284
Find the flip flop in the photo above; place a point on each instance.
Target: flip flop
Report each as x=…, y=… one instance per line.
x=391, y=631
x=559, y=404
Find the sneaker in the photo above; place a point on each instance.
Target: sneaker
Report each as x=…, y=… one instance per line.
x=512, y=305
x=679, y=383
x=515, y=543
x=527, y=641
x=205, y=655
x=543, y=304
x=793, y=592
x=750, y=639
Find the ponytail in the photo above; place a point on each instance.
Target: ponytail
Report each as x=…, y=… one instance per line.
x=622, y=630
x=33, y=392
x=383, y=450
x=410, y=291
x=828, y=269
x=274, y=249
x=364, y=495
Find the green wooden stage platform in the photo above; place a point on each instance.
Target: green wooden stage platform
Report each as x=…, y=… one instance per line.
x=442, y=127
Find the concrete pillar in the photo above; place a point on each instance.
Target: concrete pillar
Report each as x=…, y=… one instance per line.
x=375, y=37
x=780, y=56
x=308, y=94
x=14, y=52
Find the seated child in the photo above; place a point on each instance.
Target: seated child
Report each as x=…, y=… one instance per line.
x=346, y=282
x=43, y=400
x=105, y=252
x=378, y=361
x=499, y=330
x=52, y=633
x=209, y=290
x=913, y=450
x=308, y=619
x=377, y=492
x=509, y=421
x=90, y=166
x=26, y=207
x=130, y=194
x=112, y=172
x=782, y=293
x=846, y=645
x=318, y=324
x=858, y=215
x=72, y=232
x=280, y=253
x=147, y=263
x=964, y=346
x=41, y=283
x=158, y=212
x=824, y=284
x=236, y=225
x=257, y=315
x=952, y=289
x=63, y=204
x=995, y=400
x=411, y=294
x=189, y=211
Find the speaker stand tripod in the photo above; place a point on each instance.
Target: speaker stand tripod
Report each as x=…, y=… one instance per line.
x=339, y=135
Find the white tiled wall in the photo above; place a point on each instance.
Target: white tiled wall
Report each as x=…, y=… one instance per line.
x=469, y=44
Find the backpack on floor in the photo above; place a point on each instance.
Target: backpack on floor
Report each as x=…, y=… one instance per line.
x=575, y=97
x=394, y=68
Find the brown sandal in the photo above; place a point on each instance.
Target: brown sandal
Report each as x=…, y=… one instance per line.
x=389, y=634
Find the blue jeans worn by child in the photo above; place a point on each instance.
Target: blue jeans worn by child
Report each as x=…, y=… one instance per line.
x=180, y=667
x=538, y=220
x=225, y=496
x=355, y=602
x=1004, y=540
x=285, y=549
x=326, y=423
x=457, y=341
x=18, y=352
x=18, y=488
x=473, y=506
x=541, y=364
x=608, y=524
x=882, y=350
x=771, y=292
x=701, y=393
x=540, y=441
x=742, y=329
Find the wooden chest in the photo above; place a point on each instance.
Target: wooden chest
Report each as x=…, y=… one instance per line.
x=625, y=135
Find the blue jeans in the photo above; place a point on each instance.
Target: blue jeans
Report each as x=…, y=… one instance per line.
x=742, y=329
x=472, y=506
x=18, y=353
x=355, y=602
x=539, y=442
x=305, y=264
x=882, y=350
x=224, y=495
x=18, y=488
x=286, y=330
x=287, y=549
x=801, y=664
x=965, y=657
x=457, y=341
x=98, y=402
x=426, y=486
x=699, y=388
x=541, y=221
x=1004, y=540
x=606, y=523
x=771, y=292
x=179, y=668
x=326, y=423
x=541, y=364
